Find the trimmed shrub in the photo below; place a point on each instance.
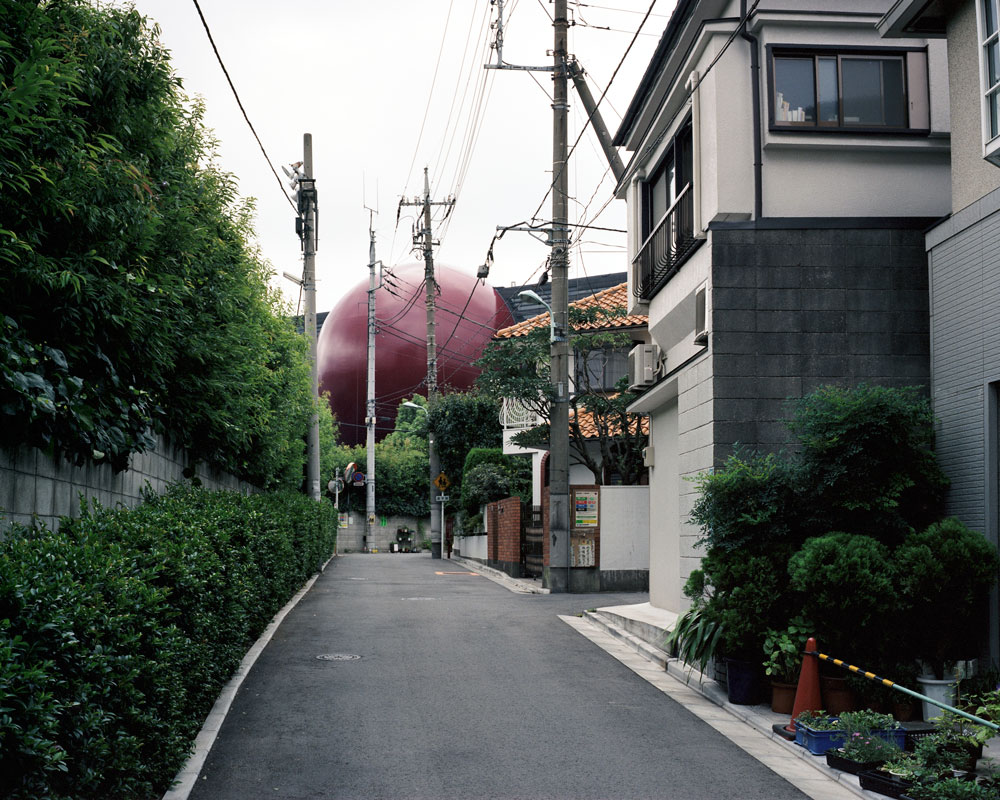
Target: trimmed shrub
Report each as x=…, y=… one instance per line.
x=944, y=574
x=749, y=504
x=490, y=475
x=846, y=586
x=868, y=457
x=117, y=632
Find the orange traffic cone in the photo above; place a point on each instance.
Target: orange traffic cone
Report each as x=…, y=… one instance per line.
x=807, y=694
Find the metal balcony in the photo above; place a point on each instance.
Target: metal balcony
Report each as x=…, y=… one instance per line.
x=667, y=247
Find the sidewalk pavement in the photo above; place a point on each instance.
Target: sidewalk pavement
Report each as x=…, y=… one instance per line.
x=631, y=634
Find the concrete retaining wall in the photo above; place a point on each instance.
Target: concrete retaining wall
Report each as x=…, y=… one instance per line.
x=352, y=538
x=34, y=485
x=473, y=547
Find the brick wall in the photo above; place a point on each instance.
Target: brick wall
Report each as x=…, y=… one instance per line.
x=509, y=530
x=492, y=518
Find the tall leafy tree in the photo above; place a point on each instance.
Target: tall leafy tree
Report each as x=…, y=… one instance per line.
x=131, y=298
x=518, y=369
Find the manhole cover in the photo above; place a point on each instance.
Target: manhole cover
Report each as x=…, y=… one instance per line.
x=338, y=657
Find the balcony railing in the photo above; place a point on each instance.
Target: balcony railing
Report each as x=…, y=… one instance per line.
x=514, y=415
x=667, y=247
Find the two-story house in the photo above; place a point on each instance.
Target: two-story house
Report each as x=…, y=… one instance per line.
x=963, y=253
x=785, y=161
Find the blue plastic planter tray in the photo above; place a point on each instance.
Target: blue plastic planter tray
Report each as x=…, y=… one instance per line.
x=818, y=742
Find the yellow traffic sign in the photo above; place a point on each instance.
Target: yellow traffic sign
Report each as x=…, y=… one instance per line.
x=442, y=482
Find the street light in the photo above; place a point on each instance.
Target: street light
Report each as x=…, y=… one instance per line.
x=434, y=466
x=553, y=336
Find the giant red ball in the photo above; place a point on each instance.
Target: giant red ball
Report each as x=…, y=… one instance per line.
x=468, y=312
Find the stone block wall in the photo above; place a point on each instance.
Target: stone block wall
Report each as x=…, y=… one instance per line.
x=794, y=307
x=36, y=485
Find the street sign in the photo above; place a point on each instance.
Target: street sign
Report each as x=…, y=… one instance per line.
x=442, y=498
x=359, y=478
x=442, y=482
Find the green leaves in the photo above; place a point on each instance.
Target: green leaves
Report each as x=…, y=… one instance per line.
x=135, y=301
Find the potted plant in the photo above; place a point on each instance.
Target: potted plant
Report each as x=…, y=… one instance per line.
x=782, y=662
x=944, y=575
x=694, y=638
x=948, y=749
x=861, y=750
x=818, y=731
x=895, y=776
x=950, y=789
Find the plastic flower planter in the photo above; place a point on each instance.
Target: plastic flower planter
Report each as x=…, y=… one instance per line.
x=818, y=742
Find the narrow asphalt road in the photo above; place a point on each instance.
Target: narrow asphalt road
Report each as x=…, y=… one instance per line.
x=462, y=690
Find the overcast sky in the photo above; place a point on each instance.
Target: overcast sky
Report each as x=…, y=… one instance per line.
x=387, y=87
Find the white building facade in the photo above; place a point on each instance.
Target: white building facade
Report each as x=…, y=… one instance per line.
x=782, y=174
x=963, y=253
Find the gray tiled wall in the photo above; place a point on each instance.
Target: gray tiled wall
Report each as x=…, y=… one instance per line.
x=35, y=485
x=796, y=308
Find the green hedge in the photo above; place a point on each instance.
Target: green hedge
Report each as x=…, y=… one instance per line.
x=118, y=631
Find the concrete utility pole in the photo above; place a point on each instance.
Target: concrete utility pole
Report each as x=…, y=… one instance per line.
x=560, y=554
x=308, y=207
x=426, y=238
x=370, y=408
x=558, y=573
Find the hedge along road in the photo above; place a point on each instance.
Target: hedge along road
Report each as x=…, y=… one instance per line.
x=462, y=690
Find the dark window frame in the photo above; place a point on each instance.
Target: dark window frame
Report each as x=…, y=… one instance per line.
x=840, y=52
x=680, y=155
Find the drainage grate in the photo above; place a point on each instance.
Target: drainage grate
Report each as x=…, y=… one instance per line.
x=338, y=657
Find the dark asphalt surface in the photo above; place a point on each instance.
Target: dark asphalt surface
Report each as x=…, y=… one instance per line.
x=463, y=690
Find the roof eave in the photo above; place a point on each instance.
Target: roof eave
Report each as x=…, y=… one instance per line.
x=926, y=18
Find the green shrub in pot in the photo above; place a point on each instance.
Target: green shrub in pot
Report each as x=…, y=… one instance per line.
x=944, y=574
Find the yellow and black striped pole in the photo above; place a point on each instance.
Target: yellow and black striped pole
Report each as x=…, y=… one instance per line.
x=893, y=685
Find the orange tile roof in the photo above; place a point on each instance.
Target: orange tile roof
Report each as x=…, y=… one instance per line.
x=588, y=427
x=612, y=299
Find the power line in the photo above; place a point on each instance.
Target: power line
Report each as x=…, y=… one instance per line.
x=583, y=130
x=732, y=37
x=239, y=102
x=437, y=66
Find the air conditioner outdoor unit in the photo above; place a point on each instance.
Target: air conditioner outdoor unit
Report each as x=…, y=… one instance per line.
x=642, y=365
x=700, y=318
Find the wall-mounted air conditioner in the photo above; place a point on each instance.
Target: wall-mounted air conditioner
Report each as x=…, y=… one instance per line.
x=642, y=365
x=700, y=318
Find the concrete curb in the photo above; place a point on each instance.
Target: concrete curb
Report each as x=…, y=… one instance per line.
x=186, y=778
x=512, y=584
